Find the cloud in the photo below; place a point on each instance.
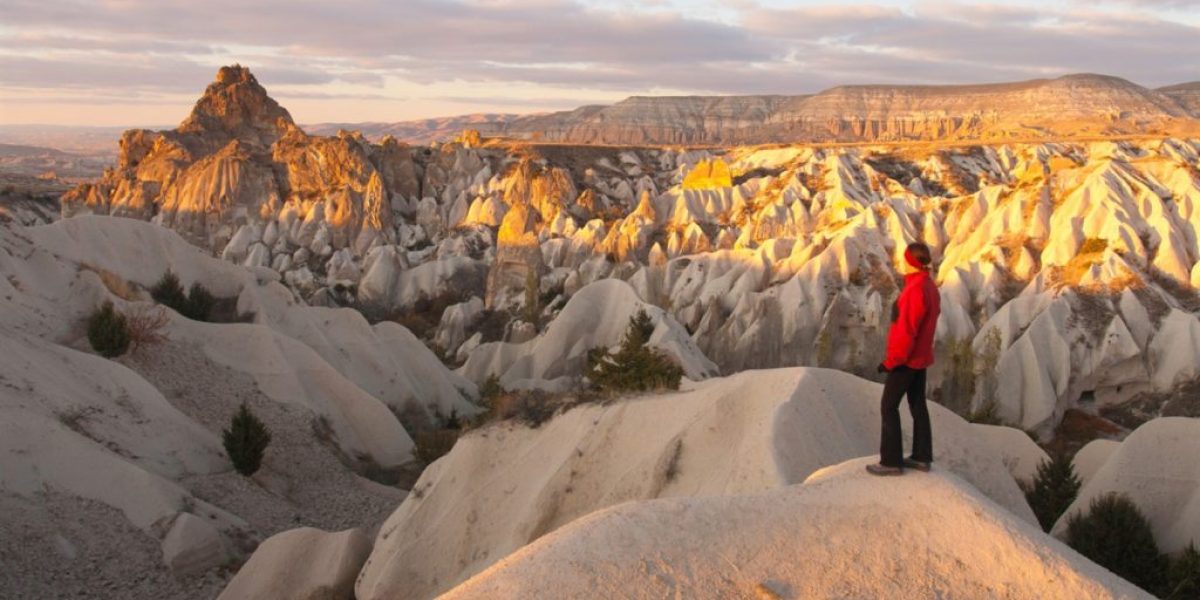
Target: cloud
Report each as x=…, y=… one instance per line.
x=432, y=49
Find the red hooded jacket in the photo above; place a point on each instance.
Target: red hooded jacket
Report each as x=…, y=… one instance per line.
x=910, y=340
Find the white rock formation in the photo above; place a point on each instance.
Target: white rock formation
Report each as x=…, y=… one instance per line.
x=1091, y=458
x=596, y=316
x=80, y=426
x=836, y=535
x=301, y=564
x=1152, y=467
x=744, y=434
x=193, y=545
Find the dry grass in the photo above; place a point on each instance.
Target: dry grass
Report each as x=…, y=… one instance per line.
x=116, y=285
x=145, y=324
x=434, y=444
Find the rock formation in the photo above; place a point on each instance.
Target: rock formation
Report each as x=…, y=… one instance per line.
x=238, y=161
x=1069, y=105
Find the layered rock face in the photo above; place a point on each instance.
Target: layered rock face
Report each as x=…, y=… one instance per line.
x=1070, y=105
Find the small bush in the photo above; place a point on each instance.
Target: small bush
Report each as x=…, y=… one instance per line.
x=145, y=325
x=1184, y=575
x=634, y=367
x=1115, y=535
x=169, y=292
x=196, y=305
x=108, y=331
x=245, y=441
x=199, y=303
x=1053, y=490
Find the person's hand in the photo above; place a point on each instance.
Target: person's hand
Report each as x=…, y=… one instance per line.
x=881, y=368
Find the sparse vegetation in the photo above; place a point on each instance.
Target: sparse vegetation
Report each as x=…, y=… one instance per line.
x=108, y=331
x=246, y=441
x=196, y=305
x=986, y=414
x=431, y=444
x=958, y=383
x=422, y=318
x=145, y=325
x=490, y=390
x=200, y=303
x=169, y=292
x=1053, y=489
x=1116, y=535
x=531, y=407
x=985, y=367
x=1183, y=577
x=824, y=348
x=635, y=366
x=532, y=298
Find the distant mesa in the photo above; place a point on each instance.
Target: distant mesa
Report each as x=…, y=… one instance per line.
x=1078, y=105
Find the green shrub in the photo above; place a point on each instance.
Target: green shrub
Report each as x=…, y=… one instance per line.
x=1116, y=536
x=196, y=305
x=199, y=303
x=634, y=367
x=246, y=440
x=168, y=292
x=108, y=331
x=1184, y=575
x=1053, y=490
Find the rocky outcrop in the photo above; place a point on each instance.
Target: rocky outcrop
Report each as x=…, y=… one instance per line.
x=239, y=160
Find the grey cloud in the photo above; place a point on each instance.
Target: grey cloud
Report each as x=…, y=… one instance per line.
x=171, y=47
x=944, y=45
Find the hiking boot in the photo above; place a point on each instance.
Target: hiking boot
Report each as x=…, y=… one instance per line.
x=884, y=470
x=919, y=465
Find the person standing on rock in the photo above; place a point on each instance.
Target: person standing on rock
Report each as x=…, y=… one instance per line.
x=909, y=353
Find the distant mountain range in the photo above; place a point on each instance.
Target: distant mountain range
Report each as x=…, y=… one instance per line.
x=1072, y=105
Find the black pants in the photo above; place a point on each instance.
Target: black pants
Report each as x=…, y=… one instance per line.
x=903, y=381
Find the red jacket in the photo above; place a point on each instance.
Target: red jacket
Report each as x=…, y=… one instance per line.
x=910, y=340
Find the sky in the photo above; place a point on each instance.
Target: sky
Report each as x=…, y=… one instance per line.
x=144, y=62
